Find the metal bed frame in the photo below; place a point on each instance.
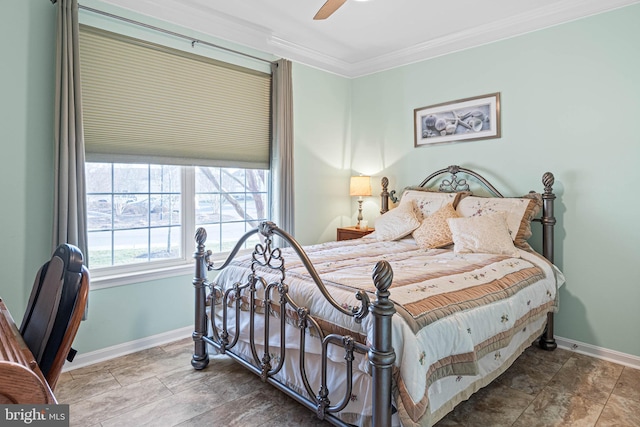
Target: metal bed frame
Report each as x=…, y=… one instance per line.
x=381, y=355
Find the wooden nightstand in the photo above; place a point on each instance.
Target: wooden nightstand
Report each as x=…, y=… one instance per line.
x=348, y=233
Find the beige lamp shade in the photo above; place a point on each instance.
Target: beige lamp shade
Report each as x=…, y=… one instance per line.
x=360, y=186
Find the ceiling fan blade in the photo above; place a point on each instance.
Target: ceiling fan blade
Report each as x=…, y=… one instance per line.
x=328, y=8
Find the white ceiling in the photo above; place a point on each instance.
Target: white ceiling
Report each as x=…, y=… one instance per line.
x=364, y=37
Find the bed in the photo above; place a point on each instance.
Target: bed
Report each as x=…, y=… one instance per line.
x=397, y=327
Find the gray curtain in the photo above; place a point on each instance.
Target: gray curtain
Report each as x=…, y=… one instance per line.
x=282, y=197
x=70, y=207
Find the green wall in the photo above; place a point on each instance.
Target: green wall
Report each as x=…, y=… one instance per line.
x=27, y=41
x=569, y=105
x=322, y=159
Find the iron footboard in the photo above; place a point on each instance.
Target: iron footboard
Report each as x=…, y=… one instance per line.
x=270, y=302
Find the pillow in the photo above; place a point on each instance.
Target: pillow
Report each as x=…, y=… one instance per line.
x=428, y=202
x=434, y=231
x=519, y=210
x=482, y=234
x=397, y=222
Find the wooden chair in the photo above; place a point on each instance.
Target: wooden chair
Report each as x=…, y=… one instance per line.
x=55, y=309
x=21, y=380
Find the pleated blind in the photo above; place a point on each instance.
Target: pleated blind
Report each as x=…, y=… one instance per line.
x=146, y=103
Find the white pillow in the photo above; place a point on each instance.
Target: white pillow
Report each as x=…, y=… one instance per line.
x=482, y=234
x=397, y=222
x=519, y=212
x=428, y=202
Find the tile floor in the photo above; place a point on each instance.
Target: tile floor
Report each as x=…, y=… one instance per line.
x=158, y=387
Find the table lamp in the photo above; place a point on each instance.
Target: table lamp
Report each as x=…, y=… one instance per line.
x=360, y=186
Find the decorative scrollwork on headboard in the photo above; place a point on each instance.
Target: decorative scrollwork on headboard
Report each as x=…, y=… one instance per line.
x=454, y=183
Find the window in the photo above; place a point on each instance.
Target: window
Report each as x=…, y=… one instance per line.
x=138, y=213
x=134, y=213
x=173, y=141
x=230, y=202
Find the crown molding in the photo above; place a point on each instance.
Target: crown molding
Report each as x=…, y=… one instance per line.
x=296, y=52
x=558, y=13
x=232, y=29
x=545, y=17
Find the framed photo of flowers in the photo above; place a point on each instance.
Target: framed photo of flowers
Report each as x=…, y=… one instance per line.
x=462, y=120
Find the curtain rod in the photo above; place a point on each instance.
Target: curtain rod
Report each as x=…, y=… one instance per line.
x=178, y=35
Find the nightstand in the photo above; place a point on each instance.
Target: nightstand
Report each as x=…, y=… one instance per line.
x=348, y=233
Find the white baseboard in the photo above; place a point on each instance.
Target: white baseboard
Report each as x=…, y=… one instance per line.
x=101, y=355
x=599, y=352
x=85, y=359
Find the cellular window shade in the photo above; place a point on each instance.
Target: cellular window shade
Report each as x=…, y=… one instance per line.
x=146, y=103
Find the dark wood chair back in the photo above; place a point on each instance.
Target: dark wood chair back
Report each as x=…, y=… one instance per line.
x=55, y=309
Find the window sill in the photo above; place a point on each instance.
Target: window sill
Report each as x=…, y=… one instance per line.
x=107, y=280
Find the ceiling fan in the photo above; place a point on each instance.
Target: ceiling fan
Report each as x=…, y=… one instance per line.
x=328, y=8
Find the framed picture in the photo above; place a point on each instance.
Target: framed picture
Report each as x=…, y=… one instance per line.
x=463, y=120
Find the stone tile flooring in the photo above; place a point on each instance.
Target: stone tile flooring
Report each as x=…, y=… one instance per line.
x=158, y=387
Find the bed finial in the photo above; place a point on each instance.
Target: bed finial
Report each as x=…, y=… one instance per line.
x=548, y=219
x=382, y=277
x=384, y=182
x=201, y=236
x=547, y=180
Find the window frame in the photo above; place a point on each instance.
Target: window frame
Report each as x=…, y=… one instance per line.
x=121, y=275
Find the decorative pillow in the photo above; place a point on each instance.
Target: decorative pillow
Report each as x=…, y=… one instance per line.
x=397, y=222
x=434, y=231
x=519, y=210
x=482, y=234
x=428, y=202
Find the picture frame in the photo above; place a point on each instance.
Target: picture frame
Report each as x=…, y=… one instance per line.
x=466, y=119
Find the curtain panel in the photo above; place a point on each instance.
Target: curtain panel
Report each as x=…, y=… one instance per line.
x=70, y=210
x=282, y=194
